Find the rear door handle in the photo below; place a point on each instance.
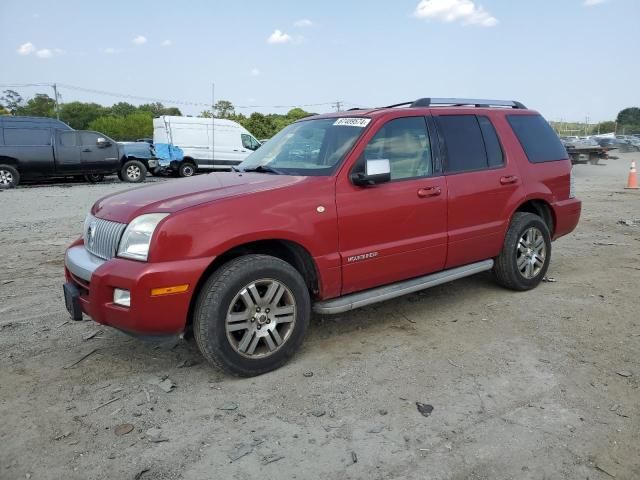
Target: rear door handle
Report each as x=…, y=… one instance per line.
x=86, y=150
x=429, y=192
x=508, y=179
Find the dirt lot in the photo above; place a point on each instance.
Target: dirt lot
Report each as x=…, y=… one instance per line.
x=536, y=385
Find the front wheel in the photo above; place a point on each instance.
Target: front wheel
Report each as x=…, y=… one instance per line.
x=186, y=169
x=251, y=315
x=526, y=253
x=133, y=171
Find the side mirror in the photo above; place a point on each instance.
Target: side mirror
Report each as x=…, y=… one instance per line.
x=376, y=171
x=102, y=142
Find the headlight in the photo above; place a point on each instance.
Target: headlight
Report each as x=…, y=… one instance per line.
x=136, y=238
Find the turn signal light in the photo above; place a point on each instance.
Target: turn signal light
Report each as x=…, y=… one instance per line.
x=157, y=292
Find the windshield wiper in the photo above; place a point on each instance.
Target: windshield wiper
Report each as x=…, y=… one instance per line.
x=263, y=169
x=235, y=169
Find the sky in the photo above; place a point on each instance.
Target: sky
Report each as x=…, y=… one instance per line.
x=569, y=59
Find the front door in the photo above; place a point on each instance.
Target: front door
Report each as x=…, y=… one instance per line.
x=67, y=153
x=395, y=230
x=96, y=157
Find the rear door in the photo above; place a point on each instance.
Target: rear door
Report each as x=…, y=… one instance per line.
x=396, y=230
x=95, y=157
x=67, y=153
x=482, y=184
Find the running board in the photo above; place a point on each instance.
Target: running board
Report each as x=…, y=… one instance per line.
x=387, y=292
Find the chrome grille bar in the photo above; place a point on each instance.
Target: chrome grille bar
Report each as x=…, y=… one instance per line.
x=101, y=237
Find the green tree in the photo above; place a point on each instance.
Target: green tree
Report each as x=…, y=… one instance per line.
x=224, y=109
x=261, y=126
x=122, y=109
x=629, y=116
x=604, y=127
x=130, y=127
x=157, y=109
x=11, y=101
x=42, y=105
x=4, y=111
x=79, y=115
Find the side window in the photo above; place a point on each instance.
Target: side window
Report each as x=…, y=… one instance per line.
x=88, y=138
x=27, y=136
x=67, y=139
x=249, y=142
x=491, y=142
x=405, y=143
x=538, y=140
x=464, y=143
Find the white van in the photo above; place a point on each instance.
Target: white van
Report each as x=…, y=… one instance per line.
x=232, y=142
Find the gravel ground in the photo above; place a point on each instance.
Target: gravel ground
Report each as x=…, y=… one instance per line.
x=535, y=385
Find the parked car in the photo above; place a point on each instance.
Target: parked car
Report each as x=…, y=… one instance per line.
x=32, y=147
x=380, y=203
x=232, y=142
x=141, y=155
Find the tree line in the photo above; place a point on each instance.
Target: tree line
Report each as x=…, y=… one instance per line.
x=123, y=121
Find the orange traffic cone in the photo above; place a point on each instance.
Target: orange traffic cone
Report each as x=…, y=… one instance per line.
x=632, y=182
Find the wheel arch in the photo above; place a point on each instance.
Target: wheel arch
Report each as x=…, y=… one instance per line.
x=11, y=161
x=539, y=207
x=291, y=252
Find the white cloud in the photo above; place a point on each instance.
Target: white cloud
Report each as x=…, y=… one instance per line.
x=166, y=43
x=255, y=72
x=591, y=3
x=139, y=40
x=26, y=48
x=110, y=50
x=44, y=53
x=449, y=11
x=303, y=22
x=278, y=37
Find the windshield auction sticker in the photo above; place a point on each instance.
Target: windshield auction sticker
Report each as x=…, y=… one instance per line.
x=352, y=122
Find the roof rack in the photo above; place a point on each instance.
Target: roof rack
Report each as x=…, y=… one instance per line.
x=460, y=102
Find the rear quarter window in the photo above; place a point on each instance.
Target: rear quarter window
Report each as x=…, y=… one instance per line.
x=27, y=136
x=539, y=142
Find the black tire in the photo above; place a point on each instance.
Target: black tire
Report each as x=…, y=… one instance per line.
x=215, y=301
x=186, y=169
x=9, y=177
x=506, y=268
x=94, y=177
x=133, y=171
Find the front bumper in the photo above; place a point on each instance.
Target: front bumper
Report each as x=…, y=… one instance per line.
x=96, y=279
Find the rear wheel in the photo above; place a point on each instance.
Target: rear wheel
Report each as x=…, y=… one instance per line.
x=9, y=177
x=133, y=171
x=186, y=169
x=526, y=253
x=251, y=315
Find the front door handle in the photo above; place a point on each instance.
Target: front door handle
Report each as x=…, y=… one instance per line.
x=429, y=192
x=508, y=179
x=86, y=150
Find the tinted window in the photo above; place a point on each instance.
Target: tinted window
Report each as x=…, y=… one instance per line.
x=491, y=142
x=67, y=139
x=464, y=143
x=249, y=142
x=404, y=142
x=27, y=136
x=89, y=138
x=539, y=141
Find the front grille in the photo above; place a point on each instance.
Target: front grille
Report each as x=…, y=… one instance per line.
x=101, y=237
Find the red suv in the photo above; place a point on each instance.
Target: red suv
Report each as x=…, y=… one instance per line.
x=335, y=212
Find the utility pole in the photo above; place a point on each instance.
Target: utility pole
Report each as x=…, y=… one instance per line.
x=338, y=106
x=55, y=95
x=213, y=121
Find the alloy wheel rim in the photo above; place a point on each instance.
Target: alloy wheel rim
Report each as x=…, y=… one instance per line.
x=6, y=178
x=531, y=253
x=261, y=318
x=133, y=172
x=187, y=171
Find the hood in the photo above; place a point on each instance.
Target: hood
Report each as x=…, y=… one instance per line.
x=172, y=196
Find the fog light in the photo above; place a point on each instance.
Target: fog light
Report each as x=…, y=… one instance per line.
x=122, y=297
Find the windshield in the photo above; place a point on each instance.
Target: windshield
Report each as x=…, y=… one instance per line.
x=311, y=147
